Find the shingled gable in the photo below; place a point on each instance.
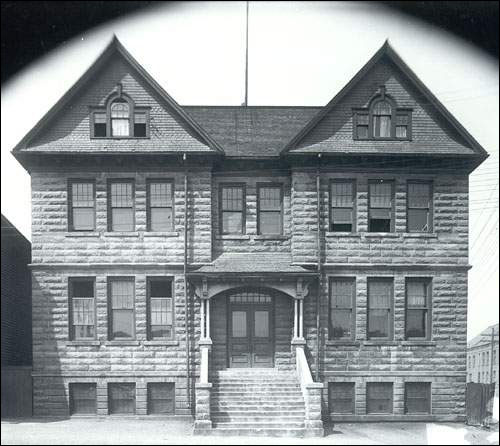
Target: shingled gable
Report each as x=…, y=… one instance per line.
x=115, y=48
x=386, y=51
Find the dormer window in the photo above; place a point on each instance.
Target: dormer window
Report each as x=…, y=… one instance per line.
x=120, y=118
x=382, y=120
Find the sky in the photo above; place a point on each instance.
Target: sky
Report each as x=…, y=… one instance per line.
x=300, y=53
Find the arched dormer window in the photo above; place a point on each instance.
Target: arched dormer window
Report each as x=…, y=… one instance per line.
x=119, y=118
x=382, y=119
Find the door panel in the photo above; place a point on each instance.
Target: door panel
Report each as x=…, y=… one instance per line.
x=250, y=336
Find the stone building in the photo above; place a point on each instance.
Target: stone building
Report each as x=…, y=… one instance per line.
x=480, y=354
x=261, y=268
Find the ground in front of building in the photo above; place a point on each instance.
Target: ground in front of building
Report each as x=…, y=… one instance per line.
x=176, y=431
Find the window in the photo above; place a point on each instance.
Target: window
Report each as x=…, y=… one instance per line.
x=381, y=212
x=161, y=398
x=232, y=209
x=487, y=358
x=120, y=118
x=99, y=125
x=342, y=199
x=341, y=398
x=380, y=318
x=122, y=317
x=140, y=124
x=418, y=305
x=270, y=209
x=342, y=318
x=160, y=305
x=81, y=196
x=121, y=205
x=402, y=125
x=121, y=398
x=362, y=125
x=417, y=398
x=419, y=202
x=82, y=308
x=382, y=114
x=160, y=205
x=82, y=398
x=379, y=398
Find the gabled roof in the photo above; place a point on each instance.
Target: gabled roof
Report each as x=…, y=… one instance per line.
x=484, y=338
x=386, y=51
x=252, y=131
x=113, y=48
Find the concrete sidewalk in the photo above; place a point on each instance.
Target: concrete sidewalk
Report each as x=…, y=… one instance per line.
x=132, y=430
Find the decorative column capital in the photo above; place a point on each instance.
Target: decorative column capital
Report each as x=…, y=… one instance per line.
x=302, y=289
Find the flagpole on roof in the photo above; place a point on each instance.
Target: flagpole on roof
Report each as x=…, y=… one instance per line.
x=246, y=59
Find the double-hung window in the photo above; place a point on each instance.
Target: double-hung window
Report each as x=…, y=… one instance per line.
x=81, y=195
x=121, y=308
x=342, y=206
x=341, y=397
x=121, y=205
x=160, y=205
x=417, y=397
x=381, y=206
x=121, y=398
x=232, y=208
x=342, y=315
x=270, y=209
x=83, y=398
x=82, y=308
x=160, y=305
x=419, y=202
x=379, y=398
x=418, y=308
x=380, y=314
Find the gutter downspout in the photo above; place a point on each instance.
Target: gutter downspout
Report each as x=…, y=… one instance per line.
x=318, y=294
x=186, y=320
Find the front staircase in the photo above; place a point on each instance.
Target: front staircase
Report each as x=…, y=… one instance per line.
x=265, y=402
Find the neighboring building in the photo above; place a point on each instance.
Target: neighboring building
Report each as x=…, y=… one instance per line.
x=181, y=263
x=16, y=357
x=479, y=357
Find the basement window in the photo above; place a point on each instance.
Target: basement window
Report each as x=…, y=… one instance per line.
x=341, y=398
x=379, y=398
x=121, y=398
x=418, y=398
x=161, y=398
x=82, y=398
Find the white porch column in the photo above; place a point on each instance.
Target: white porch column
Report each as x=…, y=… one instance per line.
x=301, y=318
x=296, y=318
x=202, y=319
x=207, y=319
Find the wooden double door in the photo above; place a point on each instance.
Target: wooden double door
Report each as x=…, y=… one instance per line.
x=251, y=335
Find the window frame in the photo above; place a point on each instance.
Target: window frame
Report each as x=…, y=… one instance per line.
x=351, y=279
x=70, y=218
x=428, y=395
x=243, y=210
x=390, y=335
x=149, y=280
x=259, y=210
x=383, y=383
x=150, y=181
x=428, y=308
x=353, y=183
x=110, y=280
x=110, y=206
x=392, y=182
x=71, y=389
x=110, y=385
x=430, y=183
x=71, y=333
x=331, y=385
x=149, y=387
x=133, y=110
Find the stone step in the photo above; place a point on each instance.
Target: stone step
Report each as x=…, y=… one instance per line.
x=283, y=420
x=260, y=393
x=272, y=406
x=254, y=432
x=219, y=412
x=264, y=399
x=252, y=388
x=259, y=425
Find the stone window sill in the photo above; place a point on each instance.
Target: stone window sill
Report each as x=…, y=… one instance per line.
x=271, y=237
x=232, y=237
x=380, y=343
x=161, y=342
x=162, y=234
x=420, y=235
x=345, y=343
x=82, y=234
x=121, y=234
x=124, y=343
x=419, y=343
x=342, y=234
x=381, y=234
x=83, y=343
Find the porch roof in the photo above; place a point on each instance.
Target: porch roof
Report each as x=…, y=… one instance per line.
x=254, y=264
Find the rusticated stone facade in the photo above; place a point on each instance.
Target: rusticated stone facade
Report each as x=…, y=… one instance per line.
x=285, y=278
